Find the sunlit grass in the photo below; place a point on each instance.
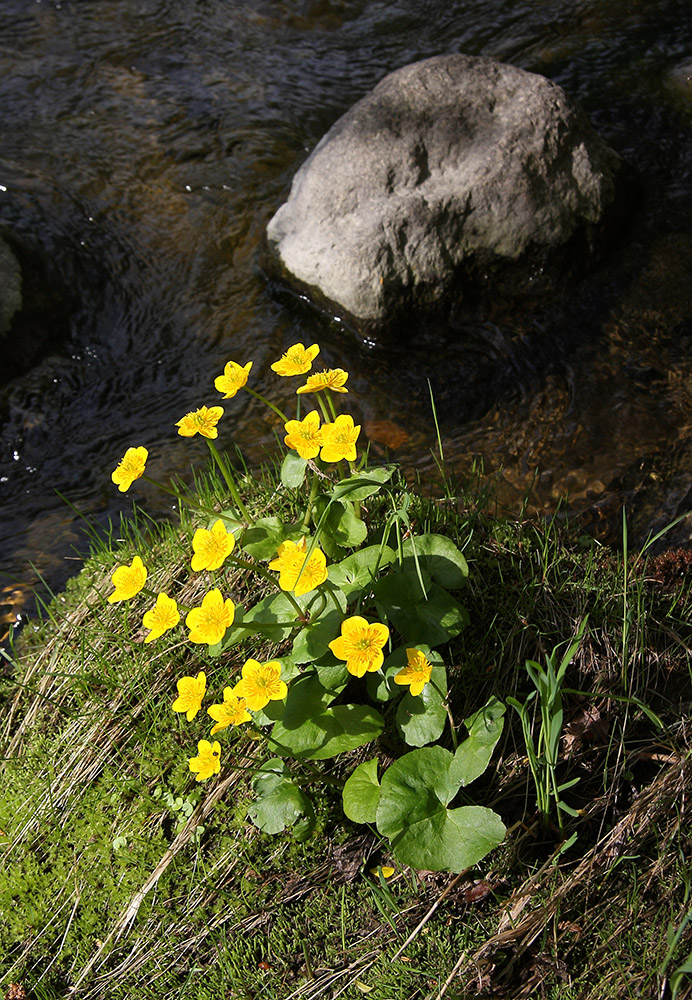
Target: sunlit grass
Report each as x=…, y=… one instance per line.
x=106, y=839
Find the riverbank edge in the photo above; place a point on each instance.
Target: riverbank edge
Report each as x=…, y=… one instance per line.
x=120, y=871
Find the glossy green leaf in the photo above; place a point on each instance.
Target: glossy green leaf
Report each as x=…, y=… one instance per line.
x=313, y=641
x=439, y=557
x=338, y=524
x=433, y=621
x=358, y=571
x=421, y=718
x=293, y=470
x=473, y=755
x=303, y=732
x=362, y=793
x=412, y=812
x=279, y=803
x=362, y=486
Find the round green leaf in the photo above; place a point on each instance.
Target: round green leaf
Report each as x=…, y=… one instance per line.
x=362, y=793
x=433, y=617
x=358, y=571
x=328, y=733
x=279, y=803
x=421, y=718
x=473, y=755
x=412, y=812
x=363, y=486
x=439, y=557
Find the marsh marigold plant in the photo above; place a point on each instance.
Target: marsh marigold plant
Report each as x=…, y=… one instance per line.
x=304, y=628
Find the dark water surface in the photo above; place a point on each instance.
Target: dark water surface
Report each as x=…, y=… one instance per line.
x=144, y=146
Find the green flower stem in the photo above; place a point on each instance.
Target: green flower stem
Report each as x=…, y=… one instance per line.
x=232, y=488
x=280, y=414
x=166, y=489
x=330, y=404
x=319, y=396
x=314, y=486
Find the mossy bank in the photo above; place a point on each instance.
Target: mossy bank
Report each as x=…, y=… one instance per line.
x=124, y=877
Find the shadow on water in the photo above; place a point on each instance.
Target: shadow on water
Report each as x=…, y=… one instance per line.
x=145, y=147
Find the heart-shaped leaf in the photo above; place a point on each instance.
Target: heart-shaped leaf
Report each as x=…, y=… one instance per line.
x=439, y=557
x=412, y=812
x=279, y=803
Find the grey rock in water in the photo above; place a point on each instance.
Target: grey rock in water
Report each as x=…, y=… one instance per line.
x=10, y=287
x=448, y=171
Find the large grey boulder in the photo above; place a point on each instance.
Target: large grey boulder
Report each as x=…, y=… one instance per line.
x=450, y=169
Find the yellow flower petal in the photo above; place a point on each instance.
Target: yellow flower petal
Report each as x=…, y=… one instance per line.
x=339, y=439
x=202, y=421
x=211, y=548
x=208, y=761
x=234, y=378
x=128, y=581
x=333, y=378
x=209, y=622
x=162, y=617
x=231, y=712
x=360, y=644
x=304, y=436
x=296, y=361
x=260, y=684
x=190, y=694
x=297, y=572
x=130, y=467
x=416, y=673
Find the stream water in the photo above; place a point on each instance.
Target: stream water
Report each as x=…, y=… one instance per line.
x=144, y=145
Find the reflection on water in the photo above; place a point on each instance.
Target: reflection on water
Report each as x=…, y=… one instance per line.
x=144, y=147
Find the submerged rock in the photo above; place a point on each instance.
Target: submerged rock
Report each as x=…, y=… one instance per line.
x=10, y=287
x=453, y=173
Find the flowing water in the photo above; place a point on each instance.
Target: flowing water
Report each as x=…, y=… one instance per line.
x=144, y=145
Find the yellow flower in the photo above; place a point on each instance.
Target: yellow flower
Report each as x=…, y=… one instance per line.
x=161, y=617
x=234, y=378
x=128, y=581
x=333, y=379
x=209, y=623
x=130, y=467
x=208, y=761
x=360, y=644
x=296, y=361
x=231, y=712
x=387, y=871
x=304, y=436
x=339, y=439
x=260, y=684
x=416, y=672
x=295, y=572
x=190, y=693
x=211, y=547
x=202, y=421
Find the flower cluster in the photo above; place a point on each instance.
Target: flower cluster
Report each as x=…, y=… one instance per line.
x=322, y=436
x=332, y=442
x=259, y=684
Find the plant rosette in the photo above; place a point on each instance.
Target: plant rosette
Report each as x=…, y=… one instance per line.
x=353, y=622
